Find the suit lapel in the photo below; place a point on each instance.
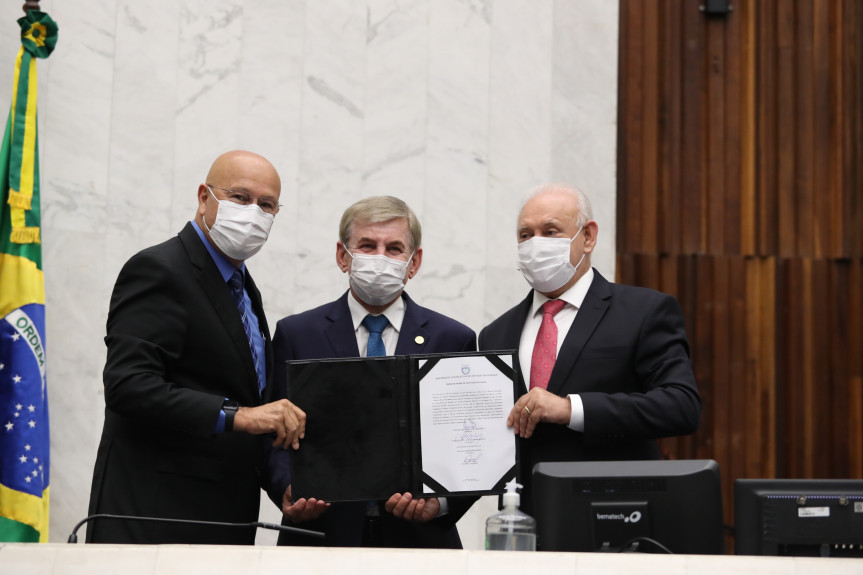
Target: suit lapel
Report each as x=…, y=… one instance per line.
x=512, y=331
x=510, y=335
x=340, y=331
x=413, y=335
x=592, y=309
x=213, y=285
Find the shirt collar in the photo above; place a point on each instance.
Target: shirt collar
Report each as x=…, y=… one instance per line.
x=226, y=268
x=395, y=313
x=574, y=296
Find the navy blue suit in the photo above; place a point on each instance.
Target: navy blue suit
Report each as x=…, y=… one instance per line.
x=328, y=332
x=627, y=356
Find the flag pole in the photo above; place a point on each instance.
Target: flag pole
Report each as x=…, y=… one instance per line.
x=30, y=5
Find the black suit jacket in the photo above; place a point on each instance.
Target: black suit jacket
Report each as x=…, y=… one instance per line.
x=627, y=356
x=176, y=349
x=328, y=332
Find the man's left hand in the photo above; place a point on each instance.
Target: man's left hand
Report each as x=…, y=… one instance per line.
x=540, y=405
x=302, y=509
x=419, y=510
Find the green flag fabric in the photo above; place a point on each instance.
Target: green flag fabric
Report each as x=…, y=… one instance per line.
x=24, y=438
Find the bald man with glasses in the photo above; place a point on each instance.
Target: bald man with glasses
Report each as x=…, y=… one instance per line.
x=190, y=411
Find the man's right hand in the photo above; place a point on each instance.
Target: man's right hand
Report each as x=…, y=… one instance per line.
x=301, y=509
x=281, y=417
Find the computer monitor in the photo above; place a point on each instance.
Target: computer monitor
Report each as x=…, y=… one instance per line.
x=629, y=505
x=799, y=517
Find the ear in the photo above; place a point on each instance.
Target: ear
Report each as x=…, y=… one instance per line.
x=414, y=265
x=203, y=196
x=590, y=232
x=343, y=258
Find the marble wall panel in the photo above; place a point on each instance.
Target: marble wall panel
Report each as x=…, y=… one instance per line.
x=457, y=158
x=457, y=106
x=73, y=342
x=331, y=143
x=519, y=138
x=396, y=110
x=208, y=94
x=270, y=111
x=584, y=112
x=76, y=157
x=140, y=171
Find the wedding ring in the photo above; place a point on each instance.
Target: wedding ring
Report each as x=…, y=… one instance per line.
x=527, y=409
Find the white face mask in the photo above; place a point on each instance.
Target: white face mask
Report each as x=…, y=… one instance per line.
x=239, y=231
x=544, y=262
x=377, y=279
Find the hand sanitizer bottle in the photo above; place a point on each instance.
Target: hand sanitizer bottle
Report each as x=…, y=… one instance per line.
x=510, y=529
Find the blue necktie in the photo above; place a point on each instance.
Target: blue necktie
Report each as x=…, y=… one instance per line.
x=236, y=285
x=375, y=324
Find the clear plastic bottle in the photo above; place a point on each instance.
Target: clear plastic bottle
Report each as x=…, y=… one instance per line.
x=510, y=529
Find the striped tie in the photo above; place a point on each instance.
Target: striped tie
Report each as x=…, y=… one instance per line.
x=236, y=285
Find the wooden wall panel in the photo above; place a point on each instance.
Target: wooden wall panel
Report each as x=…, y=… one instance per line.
x=692, y=46
x=767, y=127
x=821, y=142
x=671, y=157
x=748, y=140
x=744, y=131
x=740, y=179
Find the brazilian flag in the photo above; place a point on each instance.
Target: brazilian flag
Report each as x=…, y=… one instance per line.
x=24, y=439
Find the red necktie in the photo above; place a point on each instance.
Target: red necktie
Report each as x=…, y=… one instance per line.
x=545, y=348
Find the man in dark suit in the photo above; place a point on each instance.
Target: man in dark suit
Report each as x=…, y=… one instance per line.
x=188, y=403
x=607, y=366
x=380, y=249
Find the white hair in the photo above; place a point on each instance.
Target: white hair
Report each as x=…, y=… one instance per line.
x=582, y=202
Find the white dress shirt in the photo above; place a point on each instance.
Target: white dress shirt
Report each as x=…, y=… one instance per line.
x=573, y=297
x=395, y=314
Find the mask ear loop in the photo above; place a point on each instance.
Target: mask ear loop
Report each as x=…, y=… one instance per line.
x=578, y=264
x=408, y=267
x=204, y=217
x=575, y=270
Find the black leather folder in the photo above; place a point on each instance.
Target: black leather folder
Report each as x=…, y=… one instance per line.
x=363, y=432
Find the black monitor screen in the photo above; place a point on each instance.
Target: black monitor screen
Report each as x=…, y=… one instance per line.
x=799, y=517
x=627, y=505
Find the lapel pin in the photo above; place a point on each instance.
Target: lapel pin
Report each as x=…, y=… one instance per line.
x=420, y=339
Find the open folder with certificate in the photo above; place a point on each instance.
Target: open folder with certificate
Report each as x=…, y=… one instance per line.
x=432, y=425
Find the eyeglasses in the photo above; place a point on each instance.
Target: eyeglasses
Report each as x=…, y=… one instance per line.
x=269, y=205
